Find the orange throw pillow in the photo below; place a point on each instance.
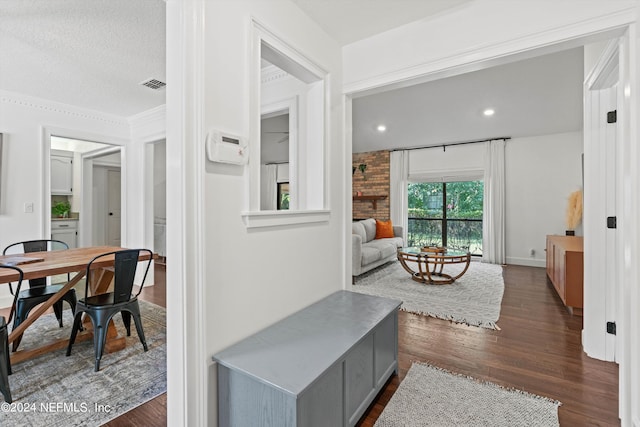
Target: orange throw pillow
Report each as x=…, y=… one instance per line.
x=384, y=229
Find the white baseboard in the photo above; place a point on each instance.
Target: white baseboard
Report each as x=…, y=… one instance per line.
x=529, y=262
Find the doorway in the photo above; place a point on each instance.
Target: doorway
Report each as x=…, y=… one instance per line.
x=80, y=180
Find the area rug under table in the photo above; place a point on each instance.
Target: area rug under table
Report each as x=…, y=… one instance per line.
x=430, y=396
x=473, y=299
x=54, y=390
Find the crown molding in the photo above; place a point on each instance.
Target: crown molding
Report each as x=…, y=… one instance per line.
x=271, y=74
x=41, y=104
x=149, y=125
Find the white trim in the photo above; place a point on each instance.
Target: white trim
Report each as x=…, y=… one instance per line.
x=262, y=219
x=271, y=73
x=529, y=262
x=57, y=107
x=187, y=363
x=550, y=40
x=605, y=73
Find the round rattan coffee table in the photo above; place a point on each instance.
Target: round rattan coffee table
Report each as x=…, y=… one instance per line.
x=430, y=261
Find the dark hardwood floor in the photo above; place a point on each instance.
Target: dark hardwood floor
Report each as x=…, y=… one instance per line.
x=538, y=349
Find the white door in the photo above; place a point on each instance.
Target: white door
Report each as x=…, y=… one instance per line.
x=113, y=207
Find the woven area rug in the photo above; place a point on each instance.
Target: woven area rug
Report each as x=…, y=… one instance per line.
x=55, y=390
x=430, y=396
x=473, y=299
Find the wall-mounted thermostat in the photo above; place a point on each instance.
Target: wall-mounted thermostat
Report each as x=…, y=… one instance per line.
x=226, y=148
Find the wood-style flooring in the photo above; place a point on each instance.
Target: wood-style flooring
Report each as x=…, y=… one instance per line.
x=538, y=349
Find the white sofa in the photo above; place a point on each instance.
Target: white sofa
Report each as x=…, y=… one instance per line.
x=369, y=252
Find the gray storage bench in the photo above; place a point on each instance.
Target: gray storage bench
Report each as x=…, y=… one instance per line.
x=321, y=366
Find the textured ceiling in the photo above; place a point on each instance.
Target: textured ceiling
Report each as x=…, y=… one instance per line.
x=88, y=53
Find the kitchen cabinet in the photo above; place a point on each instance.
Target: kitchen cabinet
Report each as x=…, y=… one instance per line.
x=65, y=230
x=61, y=174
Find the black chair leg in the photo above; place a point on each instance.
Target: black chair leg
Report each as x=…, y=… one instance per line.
x=126, y=319
x=100, y=336
x=138, y=322
x=5, y=366
x=16, y=322
x=57, y=309
x=77, y=321
x=6, y=350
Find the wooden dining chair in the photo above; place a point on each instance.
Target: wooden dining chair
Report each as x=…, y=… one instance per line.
x=38, y=291
x=102, y=307
x=5, y=361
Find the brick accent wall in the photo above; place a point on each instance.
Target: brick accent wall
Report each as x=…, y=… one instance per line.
x=375, y=184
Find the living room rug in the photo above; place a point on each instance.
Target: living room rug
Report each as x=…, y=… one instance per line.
x=474, y=299
x=430, y=396
x=54, y=390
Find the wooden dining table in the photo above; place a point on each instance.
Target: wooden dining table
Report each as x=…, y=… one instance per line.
x=44, y=264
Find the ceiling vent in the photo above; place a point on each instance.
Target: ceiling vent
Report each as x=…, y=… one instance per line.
x=154, y=84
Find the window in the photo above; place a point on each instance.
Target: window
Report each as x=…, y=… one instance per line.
x=283, y=196
x=446, y=214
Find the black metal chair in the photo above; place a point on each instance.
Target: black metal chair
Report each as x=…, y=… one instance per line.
x=38, y=291
x=5, y=361
x=102, y=307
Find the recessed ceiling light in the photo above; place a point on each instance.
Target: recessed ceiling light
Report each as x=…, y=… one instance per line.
x=489, y=112
x=381, y=128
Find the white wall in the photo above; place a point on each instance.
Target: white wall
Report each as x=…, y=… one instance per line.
x=541, y=172
x=23, y=120
x=235, y=281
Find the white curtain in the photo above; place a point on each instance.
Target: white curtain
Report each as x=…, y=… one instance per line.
x=268, y=187
x=399, y=172
x=493, y=220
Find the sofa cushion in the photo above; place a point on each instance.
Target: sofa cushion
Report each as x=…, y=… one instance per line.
x=370, y=254
x=384, y=229
x=386, y=247
x=358, y=228
x=397, y=241
x=370, y=228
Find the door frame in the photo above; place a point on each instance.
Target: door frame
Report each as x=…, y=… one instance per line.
x=45, y=196
x=600, y=142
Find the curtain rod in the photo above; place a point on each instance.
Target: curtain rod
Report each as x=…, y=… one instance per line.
x=276, y=163
x=449, y=144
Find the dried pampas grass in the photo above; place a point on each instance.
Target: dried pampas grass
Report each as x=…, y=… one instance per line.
x=574, y=210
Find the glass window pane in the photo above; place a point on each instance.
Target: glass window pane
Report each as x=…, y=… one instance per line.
x=462, y=206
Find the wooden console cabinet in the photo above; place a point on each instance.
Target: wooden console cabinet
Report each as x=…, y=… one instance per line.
x=565, y=268
x=321, y=366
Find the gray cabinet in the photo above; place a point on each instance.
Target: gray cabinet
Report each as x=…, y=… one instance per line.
x=321, y=366
x=61, y=174
x=65, y=230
